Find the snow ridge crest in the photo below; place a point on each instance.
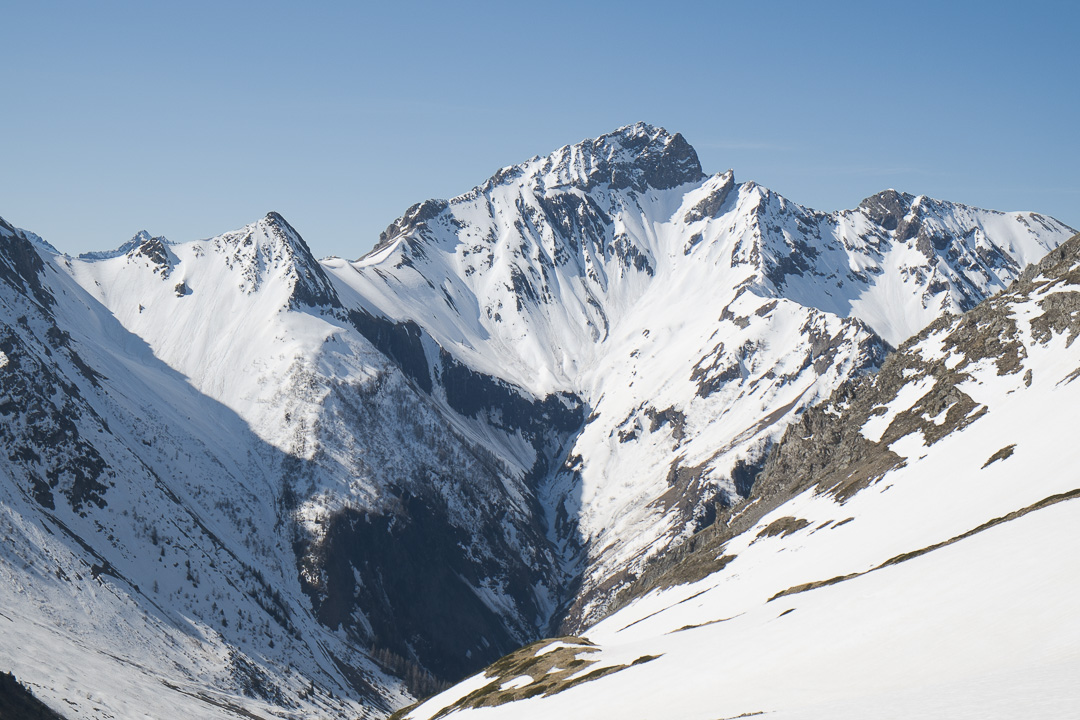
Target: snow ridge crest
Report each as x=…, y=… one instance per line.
x=633, y=158
x=136, y=241
x=272, y=247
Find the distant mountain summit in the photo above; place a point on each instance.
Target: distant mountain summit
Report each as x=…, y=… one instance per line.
x=338, y=485
x=635, y=157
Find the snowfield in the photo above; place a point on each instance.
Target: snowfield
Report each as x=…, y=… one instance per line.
x=981, y=629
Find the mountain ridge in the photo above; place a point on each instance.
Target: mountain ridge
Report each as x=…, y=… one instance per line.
x=548, y=284
x=512, y=406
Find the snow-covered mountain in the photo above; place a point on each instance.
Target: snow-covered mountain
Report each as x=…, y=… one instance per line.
x=277, y=426
x=695, y=318
x=906, y=553
x=323, y=478
x=147, y=564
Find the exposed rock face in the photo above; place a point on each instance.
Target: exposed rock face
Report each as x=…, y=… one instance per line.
x=842, y=460
x=636, y=157
x=413, y=218
x=712, y=204
x=155, y=251
x=20, y=265
x=888, y=208
x=828, y=448
x=40, y=406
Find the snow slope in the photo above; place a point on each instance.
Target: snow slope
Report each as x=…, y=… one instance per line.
x=254, y=324
x=144, y=569
x=921, y=575
x=190, y=530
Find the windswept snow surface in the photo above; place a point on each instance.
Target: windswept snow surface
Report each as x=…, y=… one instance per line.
x=944, y=589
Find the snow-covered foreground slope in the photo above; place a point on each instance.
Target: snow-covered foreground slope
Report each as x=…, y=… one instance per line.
x=905, y=554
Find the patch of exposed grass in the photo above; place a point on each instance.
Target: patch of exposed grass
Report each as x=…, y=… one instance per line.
x=1001, y=454
x=896, y=560
x=550, y=671
x=783, y=527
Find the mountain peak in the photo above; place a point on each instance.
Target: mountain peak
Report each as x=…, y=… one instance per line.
x=272, y=233
x=276, y=219
x=417, y=214
x=271, y=244
x=136, y=241
x=888, y=207
x=155, y=250
x=635, y=157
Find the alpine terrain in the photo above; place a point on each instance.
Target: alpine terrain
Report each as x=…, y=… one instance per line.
x=900, y=556
x=602, y=396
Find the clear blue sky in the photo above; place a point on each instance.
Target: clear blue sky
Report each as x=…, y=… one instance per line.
x=191, y=119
